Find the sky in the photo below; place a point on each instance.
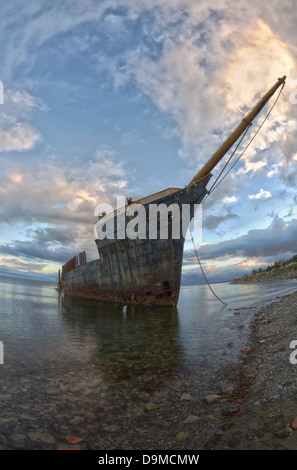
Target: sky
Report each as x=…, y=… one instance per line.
x=129, y=97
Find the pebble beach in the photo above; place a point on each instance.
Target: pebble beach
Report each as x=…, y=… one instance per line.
x=264, y=401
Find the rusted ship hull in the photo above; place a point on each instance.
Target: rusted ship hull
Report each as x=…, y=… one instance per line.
x=155, y=280
x=141, y=271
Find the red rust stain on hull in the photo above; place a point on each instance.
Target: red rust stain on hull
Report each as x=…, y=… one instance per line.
x=157, y=299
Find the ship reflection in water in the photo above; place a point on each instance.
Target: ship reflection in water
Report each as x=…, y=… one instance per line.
x=133, y=346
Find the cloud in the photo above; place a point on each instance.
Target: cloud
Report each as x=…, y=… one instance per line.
x=209, y=66
x=196, y=62
x=215, y=274
x=61, y=192
x=260, y=195
x=207, y=60
x=22, y=100
x=230, y=199
x=224, y=192
x=16, y=134
x=211, y=222
x=29, y=271
x=38, y=250
x=273, y=171
x=19, y=137
x=235, y=257
x=56, y=204
x=274, y=241
x=190, y=98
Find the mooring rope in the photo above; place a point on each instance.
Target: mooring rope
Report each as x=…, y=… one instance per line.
x=206, y=280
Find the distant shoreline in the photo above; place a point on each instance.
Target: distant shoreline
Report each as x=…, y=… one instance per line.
x=277, y=274
x=15, y=278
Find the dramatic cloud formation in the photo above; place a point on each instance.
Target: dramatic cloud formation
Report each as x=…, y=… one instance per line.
x=129, y=97
x=56, y=204
x=278, y=239
x=260, y=246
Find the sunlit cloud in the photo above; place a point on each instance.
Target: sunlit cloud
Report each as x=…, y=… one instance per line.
x=230, y=199
x=256, y=68
x=56, y=206
x=19, y=137
x=16, y=133
x=273, y=171
x=249, y=262
x=262, y=194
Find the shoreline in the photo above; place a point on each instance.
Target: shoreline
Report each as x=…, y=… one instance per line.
x=263, y=409
x=277, y=274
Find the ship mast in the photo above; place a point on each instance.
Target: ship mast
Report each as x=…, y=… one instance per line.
x=246, y=122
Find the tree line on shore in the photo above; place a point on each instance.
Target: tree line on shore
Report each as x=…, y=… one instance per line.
x=277, y=265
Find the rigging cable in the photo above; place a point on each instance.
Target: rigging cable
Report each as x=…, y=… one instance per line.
x=217, y=183
x=228, y=161
x=198, y=258
x=253, y=137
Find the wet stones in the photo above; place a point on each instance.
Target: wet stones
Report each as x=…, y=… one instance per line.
x=212, y=398
x=294, y=423
x=17, y=441
x=227, y=388
x=191, y=419
x=42, y=438
x=229, y=409
x=186, y=397
x=181, y=436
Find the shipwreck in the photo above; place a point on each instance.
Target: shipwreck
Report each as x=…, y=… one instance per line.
x=146, y=269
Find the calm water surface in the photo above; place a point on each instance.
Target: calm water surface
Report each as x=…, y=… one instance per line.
x=69, y=362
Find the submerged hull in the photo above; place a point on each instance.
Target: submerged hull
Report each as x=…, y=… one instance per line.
x=137, y=271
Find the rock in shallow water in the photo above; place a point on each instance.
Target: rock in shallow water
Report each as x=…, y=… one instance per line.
x=43, y=438
x=212, y=398
x=17, y=441
x=191, y=419
x=186, y=397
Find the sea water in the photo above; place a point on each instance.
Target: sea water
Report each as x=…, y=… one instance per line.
x=67, y=361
